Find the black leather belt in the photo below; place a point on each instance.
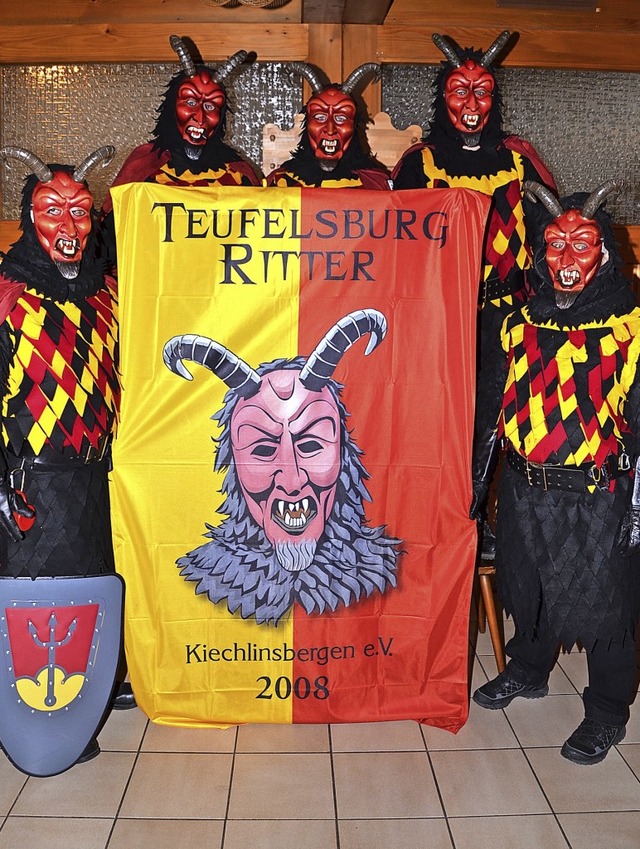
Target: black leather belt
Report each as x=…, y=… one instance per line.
x=570, y=478
x=51, y=457
x=495, y=289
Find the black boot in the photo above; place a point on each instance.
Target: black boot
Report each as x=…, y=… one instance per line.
x=124, y=698
x=92, y=750
x=591, y=741
x=503, y=689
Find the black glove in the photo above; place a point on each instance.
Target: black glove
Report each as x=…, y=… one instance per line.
x=479, y=492
x=483, y=463
x=627, y=539
x=10, y=503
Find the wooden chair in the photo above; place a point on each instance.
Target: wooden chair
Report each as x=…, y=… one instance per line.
x=386, y=142
x=487, y=611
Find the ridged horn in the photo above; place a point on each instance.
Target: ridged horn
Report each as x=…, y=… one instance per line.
x=212, y=355
x=496, y=48
x=328, y=352
x=232, y=62
x=598, y=197
x=533, y=189
x=103, y=155
x=310, y=74
x=42, y=171
x=369, y=69
x=179, y=47
x=445, y=46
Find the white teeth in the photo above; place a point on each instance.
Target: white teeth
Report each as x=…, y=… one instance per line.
x=67, y=246
x=569, y=278
x=293, y=514
x=329, y=145
x=471, y=120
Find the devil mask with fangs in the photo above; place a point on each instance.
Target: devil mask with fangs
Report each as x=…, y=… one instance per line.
x=57, y=250
x=576, y=262
x=192, y=115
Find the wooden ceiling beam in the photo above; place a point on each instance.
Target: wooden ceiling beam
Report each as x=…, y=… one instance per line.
x=345, y=11
x=70, y=43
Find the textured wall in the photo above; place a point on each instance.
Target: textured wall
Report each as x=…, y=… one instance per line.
x=584, y=124
x=64, y=112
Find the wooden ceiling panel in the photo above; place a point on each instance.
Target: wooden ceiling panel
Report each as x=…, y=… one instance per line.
x=345, y=11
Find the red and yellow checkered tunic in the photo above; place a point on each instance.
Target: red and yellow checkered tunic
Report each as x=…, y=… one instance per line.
x=566, y=388
x=63, y=389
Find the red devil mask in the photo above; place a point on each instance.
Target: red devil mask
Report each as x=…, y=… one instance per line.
x=574, y=251
x=61, y=213
x=468, y=95
x=199, y=107
x=286, y=450
x=331, y=123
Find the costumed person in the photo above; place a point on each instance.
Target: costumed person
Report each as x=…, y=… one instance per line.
x=60, y=385
x=466, y=147
x=332, y=151
x=565, y=401
x=188, y=147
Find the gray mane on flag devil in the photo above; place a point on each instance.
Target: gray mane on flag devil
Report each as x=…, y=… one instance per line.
x=294, y=484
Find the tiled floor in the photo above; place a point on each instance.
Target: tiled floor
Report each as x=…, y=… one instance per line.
x=500, y=782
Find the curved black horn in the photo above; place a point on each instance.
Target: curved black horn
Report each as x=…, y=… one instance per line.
x=102, y=155
x=328, y=352
x=178, y=45
x=447, y=48
x=232, y=62
x=496, y=48
x=533, y=190
x=362, y=72
x=310, y=74
x=598, y=197
x=212, y=355
x=42, y=171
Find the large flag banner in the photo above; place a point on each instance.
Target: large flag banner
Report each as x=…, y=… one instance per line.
x=291, y=476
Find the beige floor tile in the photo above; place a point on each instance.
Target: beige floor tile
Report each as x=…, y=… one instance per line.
x=123, y=731
x=377, y=737
x=399, y=834
x=385, y=785
x=595, y=831
x=193, y=786
x=94, y=789
x=630, y=752
x=545, y=722
x=633, y=726
x=52, y=833
x=167, y=834
x=533, y=831
x=485, y=729
x=575, y=666
x=283, y=834
x=283, y=738
x=478, y=675
x=483, y=644
x=164, y=738
x=282, y=786
x=11, y=783
x=571, y=788
x=485, y=783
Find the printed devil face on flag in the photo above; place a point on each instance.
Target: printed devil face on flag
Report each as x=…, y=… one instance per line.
x=294, y=484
